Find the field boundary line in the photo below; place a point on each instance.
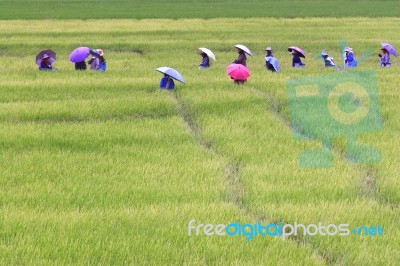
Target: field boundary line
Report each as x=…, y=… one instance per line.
x=232, y=171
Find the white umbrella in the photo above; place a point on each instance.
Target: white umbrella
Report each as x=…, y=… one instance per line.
x=244, y=49
x=172, y=73
x=208, y=52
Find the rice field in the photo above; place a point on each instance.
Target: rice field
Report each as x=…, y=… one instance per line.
x=105, y=168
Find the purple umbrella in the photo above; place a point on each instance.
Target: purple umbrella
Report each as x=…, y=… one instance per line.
x=388, y=47
x=297, y=49
x=50, y=54
x=79, y=54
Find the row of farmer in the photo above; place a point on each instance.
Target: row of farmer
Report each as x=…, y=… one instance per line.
x=97, y=62
x=46, y=58
x=239, y=72
x=272, y=64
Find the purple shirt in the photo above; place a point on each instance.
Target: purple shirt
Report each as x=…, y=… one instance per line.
x=205, y=62
x=385, y=59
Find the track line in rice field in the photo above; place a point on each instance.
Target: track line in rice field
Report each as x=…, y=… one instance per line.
x=232, y=168
x=232, y=171
x=367, y=183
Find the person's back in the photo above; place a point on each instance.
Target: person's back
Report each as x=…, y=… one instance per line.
x=385, y=60
x=350, y=60
x=296, y=62
x=268, y=58
x=241, y=58
x=205, y=62
x=329, y=61
x=167, y=83
x=80, y=65
x=272, y=64
x=268, y=65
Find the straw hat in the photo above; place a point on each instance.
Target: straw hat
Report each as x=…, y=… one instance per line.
x=100, y=52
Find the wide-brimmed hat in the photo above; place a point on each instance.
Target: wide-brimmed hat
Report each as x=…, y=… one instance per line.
x=323, y=53
x=45, y=56
x=268, y=49
x=348, y=49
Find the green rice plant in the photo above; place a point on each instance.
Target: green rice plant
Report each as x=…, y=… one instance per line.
x=105, y=168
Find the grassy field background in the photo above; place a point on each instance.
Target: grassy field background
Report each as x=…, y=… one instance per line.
x=104, y=168
x=139, y=9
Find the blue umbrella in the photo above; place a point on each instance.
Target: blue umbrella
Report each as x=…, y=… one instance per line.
x=273, y=62
x=172, y=73
x=388, y=47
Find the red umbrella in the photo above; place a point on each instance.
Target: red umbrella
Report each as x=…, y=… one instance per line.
x=238, y=71
x=297, y=49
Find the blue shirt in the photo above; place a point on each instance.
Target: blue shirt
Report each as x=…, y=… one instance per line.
x=102, y=67
x=205, y=62
x=296, y=60
x=102, y=64
x=350, y=60
x=167, y=83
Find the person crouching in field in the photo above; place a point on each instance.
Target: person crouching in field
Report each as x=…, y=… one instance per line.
x=241, y=58
x=97, y=62
x=296, y=61
x=46, y=64
x=167, y=83
x=205, y=62
x=329, y=62
x=270, y=62
x=102, y=61
x=349, y=60
x=385, y=58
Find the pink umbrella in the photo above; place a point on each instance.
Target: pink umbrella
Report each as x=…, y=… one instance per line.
x=238, y=71
x=79, y=54
x=297, y=49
